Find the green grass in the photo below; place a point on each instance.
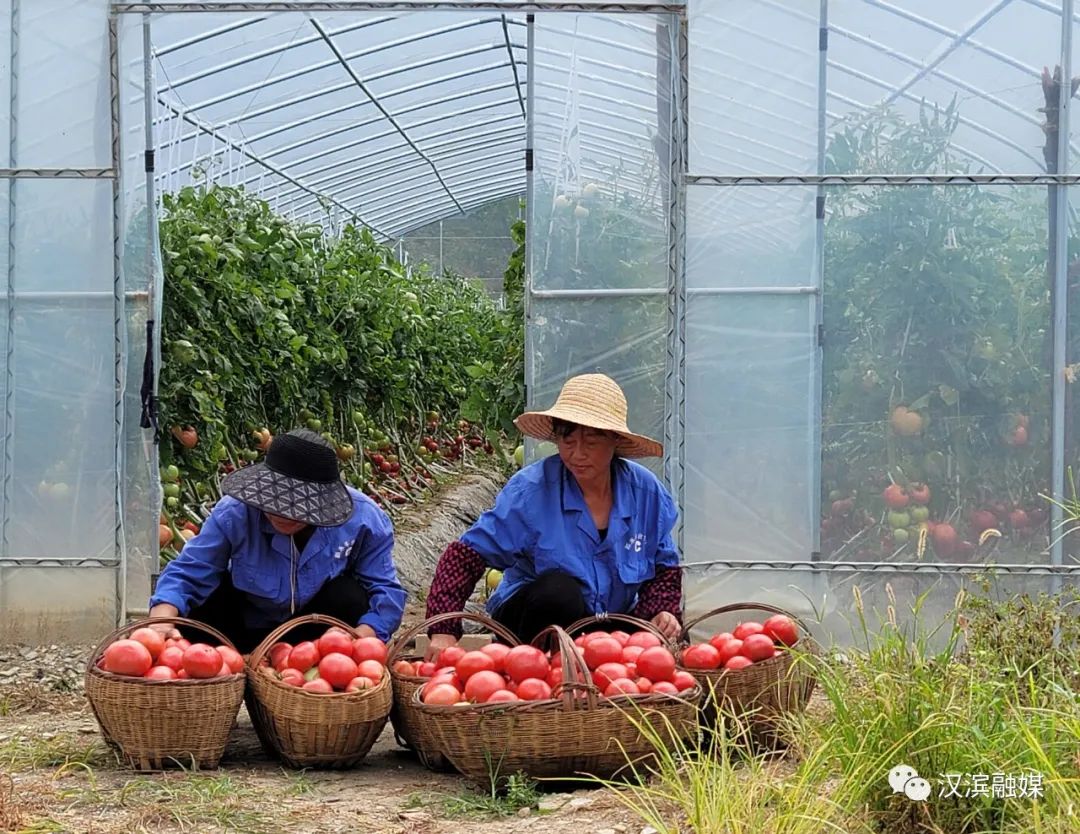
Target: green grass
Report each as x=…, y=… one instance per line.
x=503, y=798
x=23, y=752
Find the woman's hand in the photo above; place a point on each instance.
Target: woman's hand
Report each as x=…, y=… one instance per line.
x=667, y=624
x=364, y=630
x=163, y=609
x=437, y=643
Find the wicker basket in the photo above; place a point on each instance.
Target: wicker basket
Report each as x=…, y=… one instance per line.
x=410, y=728
x=765, y=691
x=158, y=724
x=577, y=732
x=307, y=729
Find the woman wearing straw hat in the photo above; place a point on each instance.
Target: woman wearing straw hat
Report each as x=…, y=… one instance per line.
x=288, y=538
x=586, y=531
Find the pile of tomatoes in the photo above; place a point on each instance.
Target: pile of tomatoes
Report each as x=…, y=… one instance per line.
x=751, y=642
x=335, y=662
x=618, y=663
x=148, y=654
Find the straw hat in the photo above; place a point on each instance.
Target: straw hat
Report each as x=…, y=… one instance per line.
x=593, y=400
x=299, y=480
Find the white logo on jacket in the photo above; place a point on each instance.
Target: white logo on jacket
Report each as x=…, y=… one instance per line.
x=344, y=549
x=636, y=543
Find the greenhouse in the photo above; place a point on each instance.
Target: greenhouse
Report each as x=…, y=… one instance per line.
x=827, y=247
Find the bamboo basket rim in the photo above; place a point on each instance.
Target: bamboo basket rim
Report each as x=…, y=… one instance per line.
x=398, y=644
x=93, y=669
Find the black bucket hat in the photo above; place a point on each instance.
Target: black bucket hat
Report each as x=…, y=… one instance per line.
x=299, y=480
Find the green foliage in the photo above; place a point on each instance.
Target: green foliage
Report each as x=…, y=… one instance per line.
x=270, y=324
x=936, y=301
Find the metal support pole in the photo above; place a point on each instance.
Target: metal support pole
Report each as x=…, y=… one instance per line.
x=9, y=357
x=442, y=268
x=531, y=248
x=817, y=381
x=119, y=325
x=681, y=108
x=1060, y=292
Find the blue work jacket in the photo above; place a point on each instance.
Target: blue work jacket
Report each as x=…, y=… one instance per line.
x=278, y=581
x=540, y=522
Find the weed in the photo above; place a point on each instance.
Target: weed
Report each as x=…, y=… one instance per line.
x=22, y=752
x=503, y=798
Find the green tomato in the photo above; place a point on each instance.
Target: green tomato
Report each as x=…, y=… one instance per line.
x=171, y=474
x=172, y=503
x=314, y=425
x=172, y=491
x=901, y=536
x=519, y=456
x=898, y=520
x=920, y=514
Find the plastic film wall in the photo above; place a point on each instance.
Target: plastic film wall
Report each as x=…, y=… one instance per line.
x=815, y=311
x=65, y=467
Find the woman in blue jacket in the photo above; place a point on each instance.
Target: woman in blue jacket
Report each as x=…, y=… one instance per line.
x=288, y=538
x=583, y=532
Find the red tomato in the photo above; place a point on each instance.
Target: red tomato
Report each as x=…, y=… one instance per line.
x=335, y=640
x=369, y=648
x=630, y=653
x=279, y=653
x=532, y=689
x=201, y=661
x=370, y=669
x=359, y=683
x=701, y=656
x=442, y=694
x=473, y=662
x=621, y=686
x=744, y=630
x=426, y=669
x=758, y=647
x=602, y=650
x=338, y=668
x=683, y=681
x=644, y=685
x=182, y=675
x=501, y=695
x=404, y=667
x=449, y=656
x=480, y=686
x=498, y=653
x=738, y=662
x=232, y=658
x=128, y=657
x=555, y=676
x=449, y=676
x=161, y=673
x=303, y=656
x=656, y=664
x=645, y=639
x=718, y=640
x=527, y=662
x=665, y=688
x=782, y=630
x=605, y=673
x=293, y=677
x=153, y=640
x=621, y=636
x=318, y=686
x=732, y=648
x=172, y=656
x=180, y=642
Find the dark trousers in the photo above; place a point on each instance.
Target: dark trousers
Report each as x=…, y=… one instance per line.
x=342, y=597
x=555, y=598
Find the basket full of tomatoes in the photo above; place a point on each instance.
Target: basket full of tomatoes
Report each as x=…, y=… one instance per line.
x=319, y=703
x=162, y=701
x=557, y=707
x=760, y=670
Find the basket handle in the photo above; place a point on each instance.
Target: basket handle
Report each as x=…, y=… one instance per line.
x=256, y=656
x=402, y=640
x=637, y=622
x=149, y=621
x=576, y=675
x=739, y=606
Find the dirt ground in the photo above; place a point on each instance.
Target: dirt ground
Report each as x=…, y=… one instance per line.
x=56, y=775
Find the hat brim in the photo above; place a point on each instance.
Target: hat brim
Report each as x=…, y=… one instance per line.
x=538, y=425
x=325, y=504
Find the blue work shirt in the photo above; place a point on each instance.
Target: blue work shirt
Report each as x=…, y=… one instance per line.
x=239, y=538
x=540, y=522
